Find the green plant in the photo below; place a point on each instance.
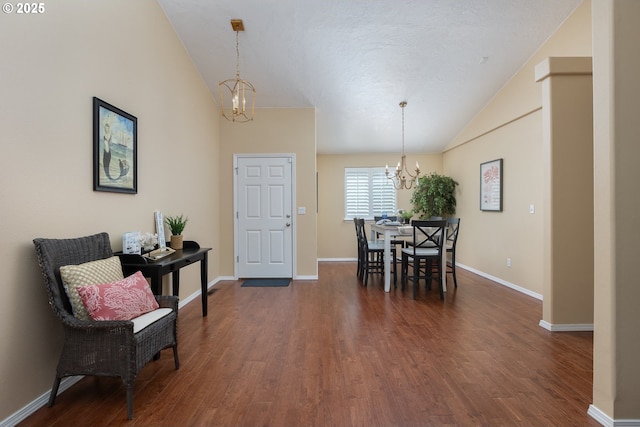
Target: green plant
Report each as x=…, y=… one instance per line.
x=406, y=215
x=176, y=224
x=434, y=196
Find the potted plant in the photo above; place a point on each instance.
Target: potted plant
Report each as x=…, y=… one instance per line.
x=176, y=225
x=405, y=215
x=434, y=196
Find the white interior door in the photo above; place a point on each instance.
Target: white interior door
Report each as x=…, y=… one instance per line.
x=264, y=219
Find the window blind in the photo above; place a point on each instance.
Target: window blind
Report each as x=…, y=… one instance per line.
x=368, y=193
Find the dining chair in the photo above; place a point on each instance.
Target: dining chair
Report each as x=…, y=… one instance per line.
x=372, y=252
x=428, y=246
x=394, y=242
x=359, y=265
x=453, y=227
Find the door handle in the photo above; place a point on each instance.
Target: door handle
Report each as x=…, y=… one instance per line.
x=288, y=215
x=288, y=224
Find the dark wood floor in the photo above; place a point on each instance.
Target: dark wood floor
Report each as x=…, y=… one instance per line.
x=332, y=353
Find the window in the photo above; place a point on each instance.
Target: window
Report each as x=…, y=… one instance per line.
x=368, y=193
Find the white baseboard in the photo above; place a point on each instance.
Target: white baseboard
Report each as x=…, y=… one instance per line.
x=471, y=269
x=197, y=293
x=22, y=414
x=502, y=282
x=567, y=327
x=607, y=421
x=309, y=277
x=67, y=382
x=594, y=412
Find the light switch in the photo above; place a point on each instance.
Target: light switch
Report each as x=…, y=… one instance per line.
x=532, y=208
x=302, y=210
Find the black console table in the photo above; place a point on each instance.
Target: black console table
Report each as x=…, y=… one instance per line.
x=155, y=269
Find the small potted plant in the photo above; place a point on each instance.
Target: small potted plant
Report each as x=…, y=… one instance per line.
x=406, y=216
x=176, y=225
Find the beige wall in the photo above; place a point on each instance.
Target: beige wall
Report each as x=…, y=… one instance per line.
x=336, y=237
x=616, y=343
x=127, y=54
x=283, y=131
x=487, y=239
x=510, y=127
x=567, y=111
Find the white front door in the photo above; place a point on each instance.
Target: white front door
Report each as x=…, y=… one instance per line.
x=264, y=219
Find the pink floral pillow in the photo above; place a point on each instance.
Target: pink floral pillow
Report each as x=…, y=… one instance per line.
x=122, y=300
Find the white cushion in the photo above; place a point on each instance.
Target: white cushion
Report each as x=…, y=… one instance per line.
x=376, y=245
x=421, y=251
x=141, y=322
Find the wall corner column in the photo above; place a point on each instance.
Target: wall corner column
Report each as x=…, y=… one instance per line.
x=567, y=112
x=616, y=338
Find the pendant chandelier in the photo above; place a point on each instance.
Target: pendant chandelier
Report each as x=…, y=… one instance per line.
x=402, y=178
x=240, y=94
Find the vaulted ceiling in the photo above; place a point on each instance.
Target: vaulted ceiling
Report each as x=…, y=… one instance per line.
x=355, y=60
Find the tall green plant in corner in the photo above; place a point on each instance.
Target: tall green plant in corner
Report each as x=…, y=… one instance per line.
x=434, y=196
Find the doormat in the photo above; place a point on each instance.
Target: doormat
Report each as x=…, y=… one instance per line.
x=265, y=283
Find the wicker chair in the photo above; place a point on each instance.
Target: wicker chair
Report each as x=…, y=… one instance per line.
x=105, y=348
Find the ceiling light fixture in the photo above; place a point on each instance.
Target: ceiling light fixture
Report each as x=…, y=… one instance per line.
x=236, y=90
x=402, y=178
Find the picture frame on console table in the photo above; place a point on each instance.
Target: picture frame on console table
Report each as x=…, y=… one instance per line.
x=115, y=149
x=491, y=186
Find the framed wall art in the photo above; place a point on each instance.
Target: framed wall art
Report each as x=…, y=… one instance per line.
x=115, y=149
x=491, y=186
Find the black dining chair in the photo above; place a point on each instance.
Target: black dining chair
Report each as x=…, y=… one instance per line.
x=428, y=246
x=372, y=252
x=359, y=265
x=453, y=227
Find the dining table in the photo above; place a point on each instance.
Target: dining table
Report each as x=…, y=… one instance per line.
x=388, y=232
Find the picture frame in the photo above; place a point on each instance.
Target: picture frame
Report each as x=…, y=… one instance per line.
x=491, y=186
x=115, y=149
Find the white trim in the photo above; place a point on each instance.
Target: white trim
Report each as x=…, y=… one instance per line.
x=42, y=400
x=502, y=282
x=30, y=408
x=566, y=327
x=607, y=421
x=294, y=206
x=337, y=259
x=558, y=327
x=310, y=277
x=600, y=416
x=197, y=293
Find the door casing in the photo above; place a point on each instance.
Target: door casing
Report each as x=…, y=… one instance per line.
x=292, y=159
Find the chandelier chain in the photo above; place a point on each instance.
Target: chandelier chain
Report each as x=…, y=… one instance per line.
x=240, y=94
x=402, y=178
x=403, y=127
x=237, y=56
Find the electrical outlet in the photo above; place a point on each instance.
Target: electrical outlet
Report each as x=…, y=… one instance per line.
x=532, y=208
x=508, y=262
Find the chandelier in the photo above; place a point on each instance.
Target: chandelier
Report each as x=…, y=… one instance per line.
x=402, y=178
x=239, y=108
